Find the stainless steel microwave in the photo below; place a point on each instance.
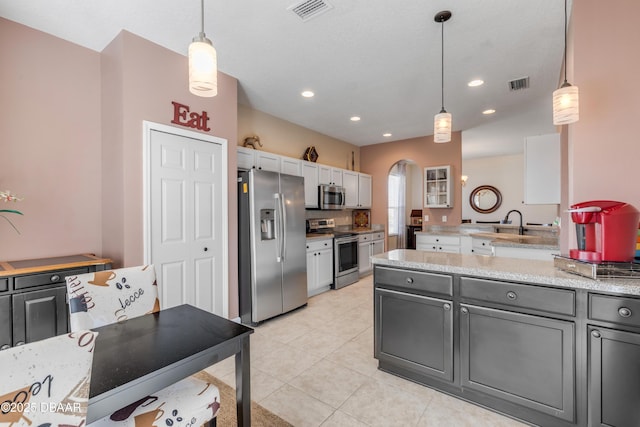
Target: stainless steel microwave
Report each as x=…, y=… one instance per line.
x=331, y=197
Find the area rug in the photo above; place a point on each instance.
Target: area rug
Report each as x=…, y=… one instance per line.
x=260, y=417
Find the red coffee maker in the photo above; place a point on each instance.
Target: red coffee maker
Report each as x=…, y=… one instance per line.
x=606, y=231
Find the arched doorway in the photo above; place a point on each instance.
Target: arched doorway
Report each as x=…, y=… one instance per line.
x=404, y=193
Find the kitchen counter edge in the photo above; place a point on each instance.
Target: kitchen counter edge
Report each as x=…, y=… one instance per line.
x=502, y=268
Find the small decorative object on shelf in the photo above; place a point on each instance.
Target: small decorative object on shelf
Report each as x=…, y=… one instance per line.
x=310, y=154
x=251, y=141
x=6, y=196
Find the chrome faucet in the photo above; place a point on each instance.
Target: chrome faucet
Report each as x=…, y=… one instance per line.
x=506, y=219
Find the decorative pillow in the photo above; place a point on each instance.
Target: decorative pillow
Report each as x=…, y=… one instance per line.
x=110, y=296
x=46, y=383
x=189, y=402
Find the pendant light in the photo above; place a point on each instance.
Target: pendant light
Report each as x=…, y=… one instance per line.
x=442, y=120
x=565, y=99
x=203, y=64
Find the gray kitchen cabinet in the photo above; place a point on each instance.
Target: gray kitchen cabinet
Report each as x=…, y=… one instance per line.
x=5, y=322
x=39, y=314
x=413, y=331
x=521, y=358
x=33, y=303
x=614, y=355
x=614, y=370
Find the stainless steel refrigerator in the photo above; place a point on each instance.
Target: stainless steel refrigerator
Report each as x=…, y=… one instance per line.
x=272, y=262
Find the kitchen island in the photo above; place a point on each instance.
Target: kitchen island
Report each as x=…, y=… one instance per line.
x=516, y=336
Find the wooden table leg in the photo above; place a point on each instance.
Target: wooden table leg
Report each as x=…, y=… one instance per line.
x=243, y=384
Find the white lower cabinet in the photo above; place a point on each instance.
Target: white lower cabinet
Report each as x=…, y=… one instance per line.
x=438, y=243
x=319, y=266
x=482, y=247
x=369, y=244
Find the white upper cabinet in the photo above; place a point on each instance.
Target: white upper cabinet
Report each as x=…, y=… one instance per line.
x=291, y=166
x=246, y=158
x=310, y=174
x=267, y=161
x=357, y=187
x=364, y=190
x=329, y=175
x=350, y=184
x=542, y=169
x=336, y=176
x=437, y=187
x=324, y=174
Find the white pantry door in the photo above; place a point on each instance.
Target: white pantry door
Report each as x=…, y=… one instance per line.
x=188, y=218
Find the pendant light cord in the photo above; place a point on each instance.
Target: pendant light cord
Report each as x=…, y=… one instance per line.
x=202, y=18
x=442, y=64
x=565, y=41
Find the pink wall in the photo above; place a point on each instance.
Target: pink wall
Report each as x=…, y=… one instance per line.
x=603, y=146
x=73, y=145
x=604, y=151
x=49, y=144
x=378, y=159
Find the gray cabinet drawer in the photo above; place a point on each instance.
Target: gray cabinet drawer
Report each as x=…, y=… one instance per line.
x=4, y=285
x=551, y=300
x=622, y=310
x=409, y=279
x=22, y=282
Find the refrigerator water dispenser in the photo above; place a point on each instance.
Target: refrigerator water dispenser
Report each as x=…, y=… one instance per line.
x=267, y=224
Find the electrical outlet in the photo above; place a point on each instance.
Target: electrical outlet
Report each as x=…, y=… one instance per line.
x=426, y=218
x=444, y=218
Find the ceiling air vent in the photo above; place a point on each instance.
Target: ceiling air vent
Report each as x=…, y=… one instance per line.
x=519, y=84
x=310, y=8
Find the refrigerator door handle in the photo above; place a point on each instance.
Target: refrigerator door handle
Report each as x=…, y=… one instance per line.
x=279, y=227
x=283, y=210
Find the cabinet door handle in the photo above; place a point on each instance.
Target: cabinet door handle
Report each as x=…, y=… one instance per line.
x=55, y=278
x=595, y=333
x=464, y=310
x=512, y=295
x=624, y=312
x=409, y=280
x=447, y=306
x=4, y=347
x=20, y=343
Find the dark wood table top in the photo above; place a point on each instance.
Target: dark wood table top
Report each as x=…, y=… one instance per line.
x=127, y=351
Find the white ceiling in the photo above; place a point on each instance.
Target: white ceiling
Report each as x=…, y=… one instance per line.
x=378, y=59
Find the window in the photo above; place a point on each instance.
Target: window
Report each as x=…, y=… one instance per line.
x=395, y=202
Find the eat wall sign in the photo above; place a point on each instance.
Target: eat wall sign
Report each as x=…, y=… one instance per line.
x=184, y=117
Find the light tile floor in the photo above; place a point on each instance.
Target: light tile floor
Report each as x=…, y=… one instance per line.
x=315, y=367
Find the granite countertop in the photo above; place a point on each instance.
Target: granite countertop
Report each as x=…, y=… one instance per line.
x=319, y=236
x=531, y=271
x=518, y=241
x=548, y=239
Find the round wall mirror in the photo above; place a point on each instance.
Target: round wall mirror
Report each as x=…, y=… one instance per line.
x=485, y=199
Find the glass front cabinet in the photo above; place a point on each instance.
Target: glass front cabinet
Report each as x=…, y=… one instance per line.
x=437, y=187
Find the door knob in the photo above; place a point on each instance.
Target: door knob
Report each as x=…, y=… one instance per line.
x=206, y=249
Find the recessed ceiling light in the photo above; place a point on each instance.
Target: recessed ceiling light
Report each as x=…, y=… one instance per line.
x=474, y=83
x=489, y=111
x=386, y=135
x=355, y=119
x=307, y=94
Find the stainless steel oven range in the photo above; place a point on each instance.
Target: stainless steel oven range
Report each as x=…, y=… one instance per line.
x=345, y=255
x=345, y=269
